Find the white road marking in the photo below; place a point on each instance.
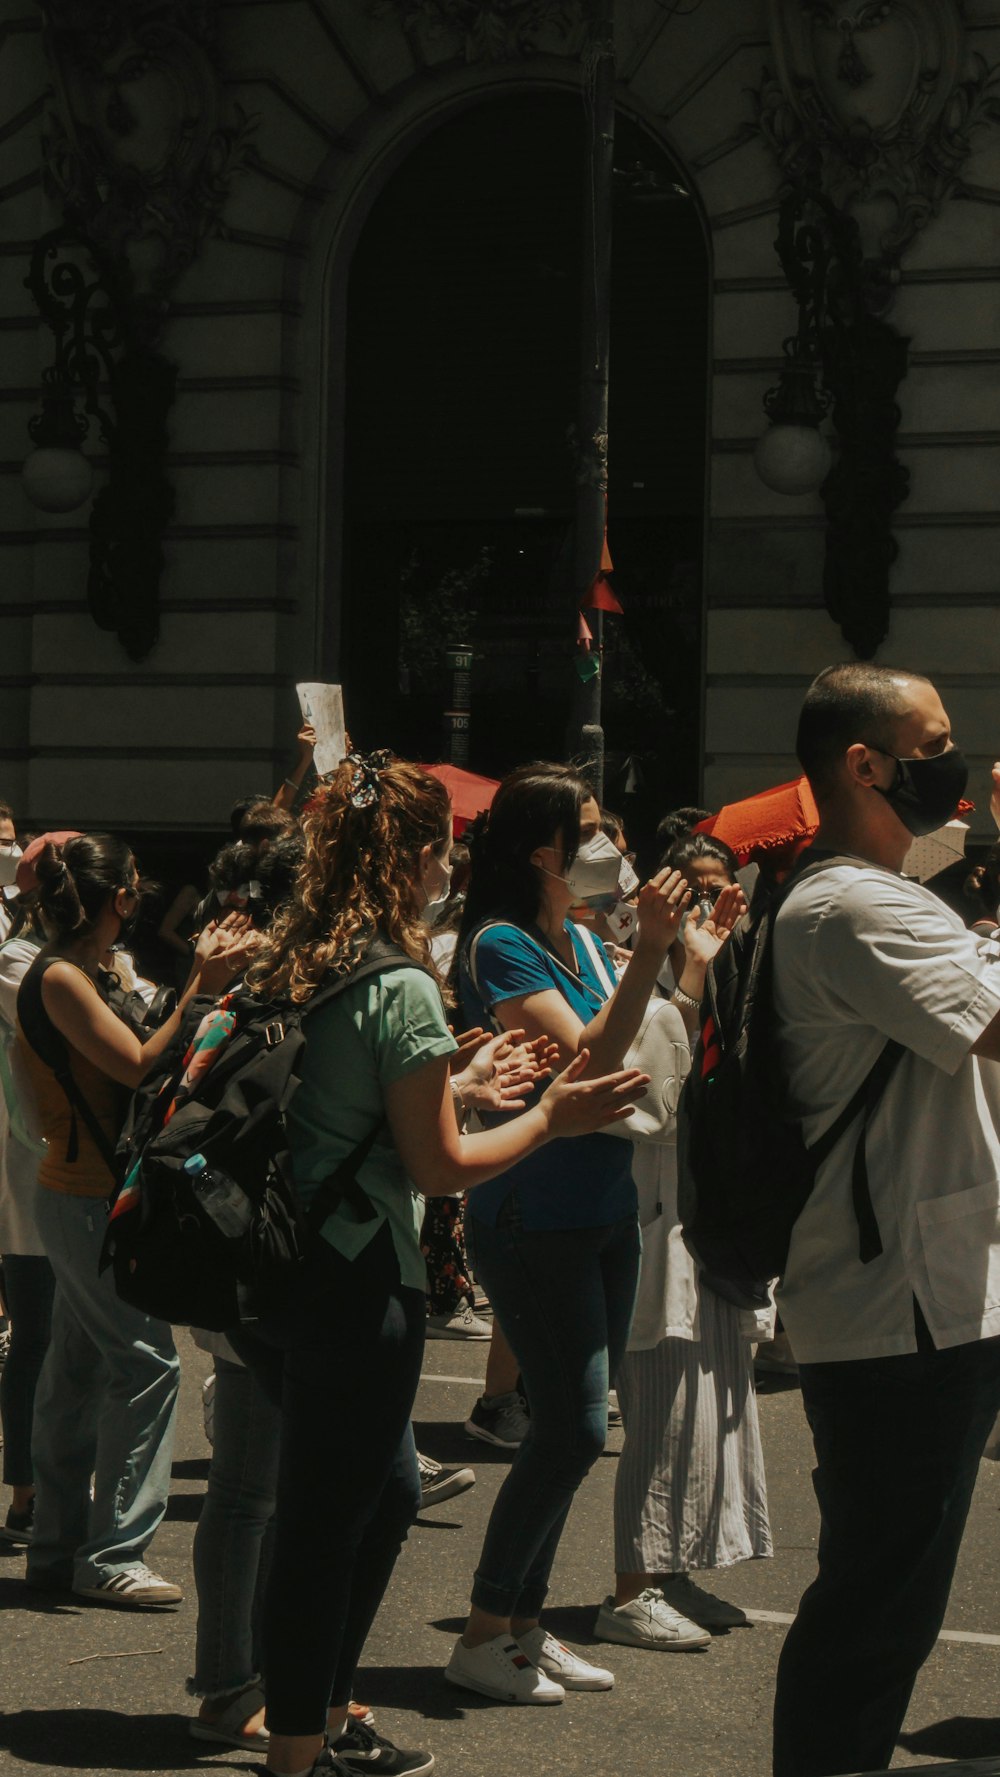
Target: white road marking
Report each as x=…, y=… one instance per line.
x=966, y=1635
x=473, y=1381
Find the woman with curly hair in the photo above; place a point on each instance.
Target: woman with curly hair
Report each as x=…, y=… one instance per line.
x=376, y=1090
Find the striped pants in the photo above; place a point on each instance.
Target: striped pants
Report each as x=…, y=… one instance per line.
x=690, y=1489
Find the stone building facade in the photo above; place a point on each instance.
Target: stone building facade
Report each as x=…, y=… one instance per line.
x=264, y=131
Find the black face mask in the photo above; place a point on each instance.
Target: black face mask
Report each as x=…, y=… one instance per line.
x=926, y=792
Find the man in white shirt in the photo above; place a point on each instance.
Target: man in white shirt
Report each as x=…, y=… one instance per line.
x=891, y=1296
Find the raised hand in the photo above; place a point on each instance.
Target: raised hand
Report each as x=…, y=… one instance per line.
x=704, y=938
x=468, y=1043
x=661, y=905
x=575, y=1106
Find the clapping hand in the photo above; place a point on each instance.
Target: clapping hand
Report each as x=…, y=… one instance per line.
x=704, y=937
x=224, y=950
x=661, y=906
x=503, y=1070
x=575, y=1106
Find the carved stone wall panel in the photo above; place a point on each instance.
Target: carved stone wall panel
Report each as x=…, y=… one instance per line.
x=880, y=103
x=687, y=51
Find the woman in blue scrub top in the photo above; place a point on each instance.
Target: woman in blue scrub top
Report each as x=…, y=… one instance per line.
x=554, y=1239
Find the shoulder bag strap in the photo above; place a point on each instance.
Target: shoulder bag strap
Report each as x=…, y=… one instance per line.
x=598, y=956
x=52, y=1048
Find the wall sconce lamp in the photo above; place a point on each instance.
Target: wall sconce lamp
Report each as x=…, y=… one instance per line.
x=848, y=361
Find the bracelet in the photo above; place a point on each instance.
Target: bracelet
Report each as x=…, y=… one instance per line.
x=456, y=1093
x=681, y=998
x=292, y=785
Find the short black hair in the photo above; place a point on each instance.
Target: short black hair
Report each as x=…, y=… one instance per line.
x=676, y=824
x=857, y=701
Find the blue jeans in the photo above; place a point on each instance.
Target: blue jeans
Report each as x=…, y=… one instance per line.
x=342, y=1362
x=105, y=1407
x=564, y=1298
x=28, y=1285
x=898, y=1443
x=233, y=1541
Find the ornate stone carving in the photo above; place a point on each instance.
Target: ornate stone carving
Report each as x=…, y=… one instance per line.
x=138, y=151
x=876, y=103
x=135, y=144
x=497, y=29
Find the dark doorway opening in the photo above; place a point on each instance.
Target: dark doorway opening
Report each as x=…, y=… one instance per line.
x=461, y=377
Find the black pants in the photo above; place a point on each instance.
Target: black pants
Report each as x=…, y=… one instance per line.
x=342, y=1363
x=898, y=1443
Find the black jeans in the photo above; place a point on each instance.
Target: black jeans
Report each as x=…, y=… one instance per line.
x=898, y=1443
x=342, y=1362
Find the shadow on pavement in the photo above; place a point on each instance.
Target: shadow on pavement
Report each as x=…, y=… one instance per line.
x=570, y=1622
x=421, y=1688
x=194, y=1470
x=184, y=1508
x=102, y=1739
x=16, y=1594
x=960, y=1736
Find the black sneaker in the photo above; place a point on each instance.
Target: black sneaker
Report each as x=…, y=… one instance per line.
x=501, y=1420
x=438, y=1483
x=360, y=1749
x=18, y=1526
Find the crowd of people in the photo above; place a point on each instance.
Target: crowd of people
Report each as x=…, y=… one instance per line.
x=503, y=1088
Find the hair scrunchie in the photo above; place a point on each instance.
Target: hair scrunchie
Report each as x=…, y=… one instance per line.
x=365, y=784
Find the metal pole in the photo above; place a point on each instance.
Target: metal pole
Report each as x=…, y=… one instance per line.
x=595, y=341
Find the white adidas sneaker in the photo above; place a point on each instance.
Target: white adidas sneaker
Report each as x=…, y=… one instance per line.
x=500, y=1669
x=558, y=1663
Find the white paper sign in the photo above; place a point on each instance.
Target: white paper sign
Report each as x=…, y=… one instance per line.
x=323, y=706
x=926, y=857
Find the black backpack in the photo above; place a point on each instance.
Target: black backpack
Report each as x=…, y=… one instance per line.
x=744, y=1170
x=168, y=1256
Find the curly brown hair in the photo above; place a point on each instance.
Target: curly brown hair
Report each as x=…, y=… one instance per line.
x=356, y=879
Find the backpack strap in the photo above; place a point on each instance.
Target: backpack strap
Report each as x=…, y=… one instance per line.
x=864, y=1100
x=544, y=950
x=52, y=1048
x=342, y=1185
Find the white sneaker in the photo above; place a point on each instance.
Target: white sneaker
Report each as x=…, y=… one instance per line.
x=138, y=1588
x=463, y=1324
x=700, y=1606
x=556, y=1661
x=649, y=1621
x=500, y=1669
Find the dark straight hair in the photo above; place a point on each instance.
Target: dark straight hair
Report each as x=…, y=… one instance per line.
x=77, y=879
x=534, y=805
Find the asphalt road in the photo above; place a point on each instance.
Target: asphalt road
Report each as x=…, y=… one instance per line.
x=99, y=1691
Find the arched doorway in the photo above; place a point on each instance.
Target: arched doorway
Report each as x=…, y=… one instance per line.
x=460, y=396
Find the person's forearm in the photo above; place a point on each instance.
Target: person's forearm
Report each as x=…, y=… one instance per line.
x=614, y=1028
x=687, y=994
x=477, y=1158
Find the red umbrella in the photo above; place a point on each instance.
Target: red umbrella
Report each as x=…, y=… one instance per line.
x=775, y=824
x=469, y=793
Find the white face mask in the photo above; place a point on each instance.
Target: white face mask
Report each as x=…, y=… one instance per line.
x=10, y=852
x=436, y=903
x=595, y=870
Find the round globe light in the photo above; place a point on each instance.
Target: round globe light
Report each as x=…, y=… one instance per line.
x=57, y=479
x=792, y=459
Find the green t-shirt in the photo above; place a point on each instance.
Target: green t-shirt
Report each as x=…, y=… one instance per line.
x=366, y=1038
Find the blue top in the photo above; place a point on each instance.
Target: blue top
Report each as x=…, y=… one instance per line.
x=580, y=1181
